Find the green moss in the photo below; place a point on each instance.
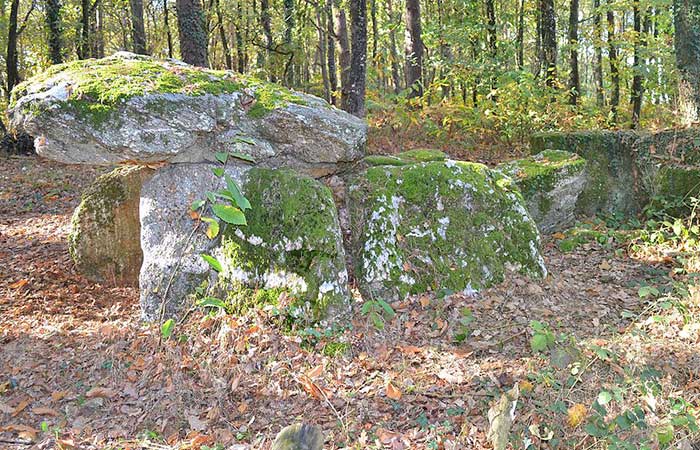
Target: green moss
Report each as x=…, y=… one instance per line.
x=292, y=244
x=335, y=349
x=383, y=160
x=436, y=225
x=98, y=87
x=422, y=155
x=540, y=173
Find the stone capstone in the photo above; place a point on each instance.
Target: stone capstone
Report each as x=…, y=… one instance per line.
x=105, y=227
x=130, y=107
x=438, y=225
x=551, y=183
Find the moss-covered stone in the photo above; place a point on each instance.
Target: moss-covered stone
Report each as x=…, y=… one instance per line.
x=613, y=176
x=105, y=237
x=292, y=245
x=94, y=88
x=551, y=183
x=404, y=158
x=435, y=225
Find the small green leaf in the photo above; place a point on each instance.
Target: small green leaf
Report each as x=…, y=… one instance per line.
x=604, y=397
x=386, y=307
x=213, y=262
x=211, y=196
x=222, y=157
x=212, y=302
x=238, y=197
x=242, y=156
x=218, y=171
x=213, y=228
x=166, y=330
x=197, y=204
x=538, y=342
x=229, y=214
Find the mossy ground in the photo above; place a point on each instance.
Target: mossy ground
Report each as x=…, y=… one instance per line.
x=405, y=158
x=439, y=225
x=97, y=87
x=291, y=245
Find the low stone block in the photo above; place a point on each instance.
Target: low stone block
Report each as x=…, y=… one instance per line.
x=551, y=183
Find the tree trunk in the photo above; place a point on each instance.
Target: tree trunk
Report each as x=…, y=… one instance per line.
x=330, y=52
x=266, y=22
x=11, y=59
x=358, y=65
x=97, y=43
x=322, y=49
x=288, y=33
x=687, y=22
x=167, y=28
x=395, y=70
x=598, y=50
x=614, y=65
x=84, y=46
x=53, y=24
x=414, y=49
x=138, y=31
x=240, y=49
x=521, y=36
x=492, y=42
x=222, y=36
x=574, y=83
x=193, y=36
x=549, y=41
x=375, y=28
x=637, y=88
x=344, y=59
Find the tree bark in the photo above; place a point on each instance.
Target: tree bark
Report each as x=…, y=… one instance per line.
x=395, y=70
x=193, y=36
x=330, y=52
x=549, y=41
x=492, y=42
x=322, y=49
x=574, y=82
x=11, y=59
x=84, y=46
x=598, y=50
x=614, y=65
x=53, y=24
x=687, y=23
x=358, y=65
x=138, y=31
x=414, y=49
x=241, y=59
x=375, y=28
x=344, y=58
x=288, y=37
x=222, y=35
x=520, y=39
x=637, y=87
x=167, y=28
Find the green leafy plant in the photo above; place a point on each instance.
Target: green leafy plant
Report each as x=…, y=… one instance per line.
x=377, y=311
x=542, y=338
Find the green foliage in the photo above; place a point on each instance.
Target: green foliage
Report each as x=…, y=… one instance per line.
x=542, y=338
x=377, y=312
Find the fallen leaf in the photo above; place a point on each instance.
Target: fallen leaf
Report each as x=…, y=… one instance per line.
x=424, y=301
x=605, y=265
x=196, y=423
x=310, y=387
x=576, y=414
x=20, y=407
x=19, y=284
x=41, y=411
x=315, y=372
x=393, y=392
x=100, y=392
x=58, y=395
x=7, y=409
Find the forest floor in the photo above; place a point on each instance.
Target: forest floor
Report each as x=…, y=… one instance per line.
x=603, y=352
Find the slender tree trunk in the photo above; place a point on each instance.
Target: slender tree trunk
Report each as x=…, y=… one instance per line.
x=167, y=28
x=549, y=41
x=637, y=87
x=394, y=53
x=266, y=22
x=614, y=65
x=414, y=49
x=97, y=43
x=358, y=65
x=240, y=49
x=598, y=50
x=687, y=23
x=222, y=36
x=492, y=41
x=288, y=37
x=521, y=36
x=11, y=59
x=330, y=52
x=344, y=58
x=138, y=30
x=322, y=49
x=574, y=82
x=193, y=36
x=53, y=25
x=375, y=28
x=84, y=47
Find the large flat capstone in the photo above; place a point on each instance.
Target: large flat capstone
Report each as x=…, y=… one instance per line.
x=130, y=107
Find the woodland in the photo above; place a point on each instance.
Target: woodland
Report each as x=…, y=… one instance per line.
x=554, y=306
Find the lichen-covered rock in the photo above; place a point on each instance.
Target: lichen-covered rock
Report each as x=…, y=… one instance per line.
x=133, y=107
x=104, y=239
x=292, y=244
x=300, y=436
x=438, y=225
x=612, y=169
x=551, y=182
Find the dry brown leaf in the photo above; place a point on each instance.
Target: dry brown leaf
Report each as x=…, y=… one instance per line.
x=410, y=349
x=393, y=392
x=20, y=407
x=315, y=372
x=58, y=395
x=310, y=387
x=19, y=284
x=576, y=414
x=41, y=411
x=424, y=301
x=100, y=392
x=7, y=409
